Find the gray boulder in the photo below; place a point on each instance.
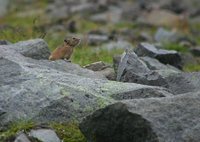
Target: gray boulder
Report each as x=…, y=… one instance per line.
x=43, y=90
x=22, y=138
x=163, y=35
x=149, y=71
x=133, y=69
x=44, y=135
x=164, y=56
x=36, y=49
x=154, y=64
x=170, y=119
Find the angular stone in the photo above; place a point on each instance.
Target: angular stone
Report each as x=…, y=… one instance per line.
x=133, y=69
x=164, y=56
x=36, y=49
x=22, y=138
x=167, y=119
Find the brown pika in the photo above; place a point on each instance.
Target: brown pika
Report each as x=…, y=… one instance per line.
x=65, y=51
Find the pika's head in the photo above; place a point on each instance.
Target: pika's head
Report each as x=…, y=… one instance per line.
x=72, y=41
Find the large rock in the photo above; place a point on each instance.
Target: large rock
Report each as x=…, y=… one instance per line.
x=60, y=91
x=133, y=69
x=164, y=56
x=149, y=71
x=36, y=49
x=171, y=119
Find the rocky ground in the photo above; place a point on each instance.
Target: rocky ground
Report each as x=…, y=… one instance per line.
x=131, y=79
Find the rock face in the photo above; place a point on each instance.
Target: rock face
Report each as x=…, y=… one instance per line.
x=44, y=90
x=164, y=56
x=153, y=120
x=133, y=69
x=36, y=49
x=149, y=71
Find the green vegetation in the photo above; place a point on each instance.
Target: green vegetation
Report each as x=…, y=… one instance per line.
x=68, y=132
x=85, y=55
x=191, y=68
x=15, y=128
x=175, y=46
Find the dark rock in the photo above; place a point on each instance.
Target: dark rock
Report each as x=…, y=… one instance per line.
x=195, y=51
x=132, y=69
x=154, y=64
x=44, y=135
x=72, y=26
x=164, y=56
x=4, y=42
x=153, y=120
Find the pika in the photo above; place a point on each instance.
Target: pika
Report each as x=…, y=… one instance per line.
x=65, y=51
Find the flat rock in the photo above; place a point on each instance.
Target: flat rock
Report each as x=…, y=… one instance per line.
x=153, y=120
x=44, y=135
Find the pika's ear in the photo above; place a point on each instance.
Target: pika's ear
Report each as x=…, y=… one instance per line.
x=66, y=41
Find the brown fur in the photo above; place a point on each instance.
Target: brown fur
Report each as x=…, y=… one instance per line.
x=64, y=51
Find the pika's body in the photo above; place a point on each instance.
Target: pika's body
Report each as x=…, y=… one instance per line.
x=65, y=51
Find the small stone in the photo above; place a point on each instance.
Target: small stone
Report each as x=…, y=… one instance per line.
x=44, y=135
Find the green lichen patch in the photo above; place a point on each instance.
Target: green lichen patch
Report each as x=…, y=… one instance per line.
x=68, y=132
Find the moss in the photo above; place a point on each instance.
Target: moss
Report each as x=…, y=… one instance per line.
x=175, y=46
x=191, y=68
x=14, y=128
x=87, y=55
x=68, y=132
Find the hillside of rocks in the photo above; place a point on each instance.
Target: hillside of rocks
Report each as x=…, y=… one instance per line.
x=134, y=77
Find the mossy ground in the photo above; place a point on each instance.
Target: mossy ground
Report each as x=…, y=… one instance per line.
x=67, y=132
